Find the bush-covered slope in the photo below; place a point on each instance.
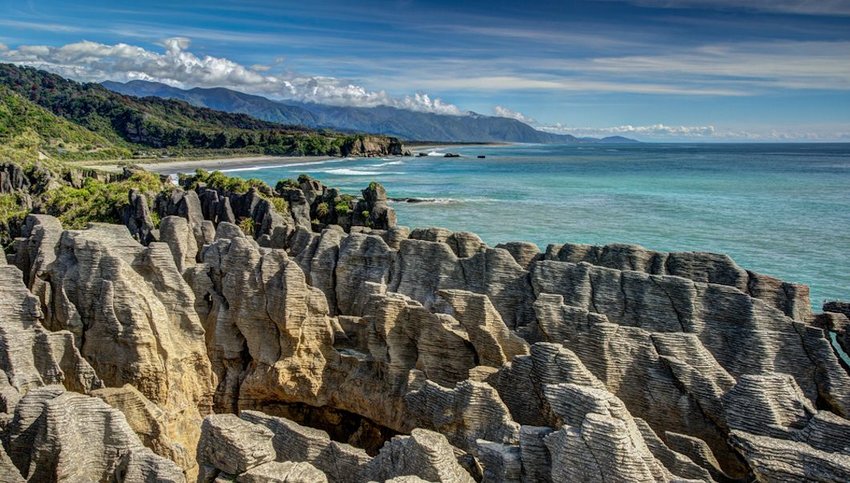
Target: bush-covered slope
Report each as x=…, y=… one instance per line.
x=170, y=124
x=27, y=130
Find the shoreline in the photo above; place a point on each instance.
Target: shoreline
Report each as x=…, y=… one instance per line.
x=250, y=163
x=233, y=164
x=245, y=163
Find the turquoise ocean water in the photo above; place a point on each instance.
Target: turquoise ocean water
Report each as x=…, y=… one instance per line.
x=781, y=209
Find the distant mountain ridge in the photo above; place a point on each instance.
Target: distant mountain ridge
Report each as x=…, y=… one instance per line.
x=385, y=120
x=44, y=111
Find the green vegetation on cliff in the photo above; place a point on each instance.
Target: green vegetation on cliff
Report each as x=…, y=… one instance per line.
x=76, y=196
x=220, y=181
x=98, y=200
x=27, y=129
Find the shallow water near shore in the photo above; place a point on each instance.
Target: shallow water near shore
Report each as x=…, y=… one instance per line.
x=779, y=209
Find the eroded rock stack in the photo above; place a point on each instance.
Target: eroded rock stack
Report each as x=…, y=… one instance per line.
x=366, y=353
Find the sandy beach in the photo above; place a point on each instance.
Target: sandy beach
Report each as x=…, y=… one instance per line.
x=177, y=166
x=247, y=163
x=230, y=164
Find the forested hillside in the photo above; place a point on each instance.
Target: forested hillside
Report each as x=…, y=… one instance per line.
x=144, y=124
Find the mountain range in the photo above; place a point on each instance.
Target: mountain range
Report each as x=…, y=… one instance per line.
x=41, y=112
x=390, y=121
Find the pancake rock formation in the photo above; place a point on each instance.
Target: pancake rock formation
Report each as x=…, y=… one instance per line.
x=323, y=342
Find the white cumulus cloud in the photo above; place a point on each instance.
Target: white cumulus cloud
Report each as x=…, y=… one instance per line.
x=501, y=111
x=179, y=67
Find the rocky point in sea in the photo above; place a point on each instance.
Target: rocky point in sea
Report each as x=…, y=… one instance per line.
x=295, y=334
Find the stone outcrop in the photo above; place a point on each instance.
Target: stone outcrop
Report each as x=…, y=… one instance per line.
x=782, y=436
x=50, y=433
x=295, y=443
x=273, y=215
x=791, y=299
x=137, y=217
x=64, y=436
x=232, y=446
x=131, y=315
x=30, y=356
x=335, y=346
x=256, y=446
x=836, y=319
x=373, y=146
x=12, y=178
x=729, y=324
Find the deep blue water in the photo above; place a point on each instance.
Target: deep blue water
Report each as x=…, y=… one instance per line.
x=781, y=209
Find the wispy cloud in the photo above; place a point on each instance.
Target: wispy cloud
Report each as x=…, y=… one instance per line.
x=662, y=132
x=801, y=7
x=573, y=82
x=177, y=66
x=655, y=130
x=750, y=65
x=40, y=26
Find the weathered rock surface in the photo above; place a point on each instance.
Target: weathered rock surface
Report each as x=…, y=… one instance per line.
x=137, y=217
x=424, y=454
x=131, y=315
x=363, y=351
x=149, y=421
x=791, y=299
x=286, y=472
x=63, y=436
x=258, y=446
x=12, y=178
x=744, y=334
x=30, y=356
x=232, y=446
x=292, y=442
x=176, y=233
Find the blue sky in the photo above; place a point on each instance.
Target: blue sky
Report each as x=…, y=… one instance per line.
x=650, y=69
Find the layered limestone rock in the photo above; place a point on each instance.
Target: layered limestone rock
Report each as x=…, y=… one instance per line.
x=744, y=334
x=261, y=311
x=295, y=443
x=470, y=412
x=577, y=430
x=64, y=436
x=35, y=253
x=137, y=217
x=176, y=233
x=373, y=146
x=261, y=446
x=420, y=324
x=836, y=319
x=792, y=299
x=424, y=454
x=273, y=215
x=131, y=315
x=681, y=387
x=271, y=339
x=421, y=268
x=30, y=356
x=363, y=351
x=149, y=421
x=186, y=204
x=232, y=446
x=782, y=436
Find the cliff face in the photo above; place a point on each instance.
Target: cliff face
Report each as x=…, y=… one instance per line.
x=373, y=146
x=358, y=353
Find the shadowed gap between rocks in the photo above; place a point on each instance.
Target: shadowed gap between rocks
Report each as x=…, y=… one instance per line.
x=342, y=426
